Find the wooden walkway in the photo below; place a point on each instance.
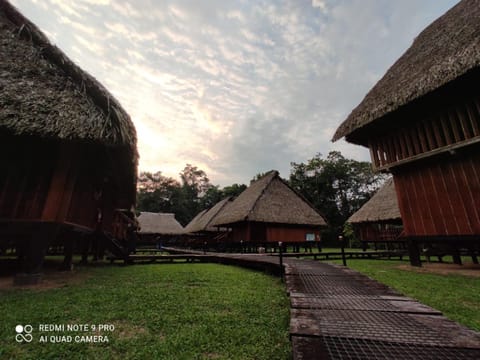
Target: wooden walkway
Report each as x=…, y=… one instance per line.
x=337, y=313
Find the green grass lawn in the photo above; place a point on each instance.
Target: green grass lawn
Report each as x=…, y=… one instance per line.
x=178, y=311
x=457, y=296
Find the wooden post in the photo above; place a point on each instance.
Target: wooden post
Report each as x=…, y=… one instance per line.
x=414, y=253
x=34, y=251
x=474, y=258
x=68, y=252
x=456, y=255
x=342, y=244
x=280, y=255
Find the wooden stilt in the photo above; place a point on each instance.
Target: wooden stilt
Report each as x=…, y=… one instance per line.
x=68, y=252
x=34, y=251
x=414, y=253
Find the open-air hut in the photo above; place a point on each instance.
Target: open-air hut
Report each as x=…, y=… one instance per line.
x=201, y=230
x=158, y=228
x=269, y=211
x=379, y=219
x=421, y=122
x=68, y=148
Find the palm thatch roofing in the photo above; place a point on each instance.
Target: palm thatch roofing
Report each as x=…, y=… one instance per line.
x=382, y=207
x=204, y=220
x=44, y=94
x=159, y=223
x=271, y=200
x=446, y=50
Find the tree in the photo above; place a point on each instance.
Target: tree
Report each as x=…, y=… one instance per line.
x=195, y=179
x=155, y=192
x=258, y=176
x=195, y=185
x=233, y=190
x=336, y=186
x=212, y=196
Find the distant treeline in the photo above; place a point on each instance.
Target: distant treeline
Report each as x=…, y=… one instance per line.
x=335, y=185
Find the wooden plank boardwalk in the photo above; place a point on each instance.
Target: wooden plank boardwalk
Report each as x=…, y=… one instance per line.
x=337, y=313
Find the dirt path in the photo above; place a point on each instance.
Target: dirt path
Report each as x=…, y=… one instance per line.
x=472, y=270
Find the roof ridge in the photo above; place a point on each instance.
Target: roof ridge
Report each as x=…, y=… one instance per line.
x=275, y=175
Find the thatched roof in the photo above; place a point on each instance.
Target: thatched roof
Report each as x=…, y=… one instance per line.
x=444, y=51
x=203, y=221
x=43, y=93
x=159, y=223
x=382, y=207
x=271, y=200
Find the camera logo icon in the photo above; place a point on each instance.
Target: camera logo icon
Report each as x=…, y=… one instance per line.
x=24, y=333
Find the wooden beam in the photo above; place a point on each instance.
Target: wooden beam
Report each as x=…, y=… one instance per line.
x=403, y=145
x=415, y=141
x=452, y=118
x=427, y=125
x=441, y=150
x=437, y=131
x=473, y=113
x=449, y=139
x=464, y=123
x=397, y=147
x=373, y=156
x=386, y=150
x=421, y=136
x=409, y=143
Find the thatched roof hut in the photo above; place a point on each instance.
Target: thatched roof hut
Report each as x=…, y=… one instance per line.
x=448, y=49
x=382, y=207
x=69, y=154
x=272, y=200
x=44, y=95
x=421, y=122
x=159, y=224
x=204, y=219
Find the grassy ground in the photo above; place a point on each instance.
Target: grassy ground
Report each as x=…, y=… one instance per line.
x=179, y=311
x=457, y=296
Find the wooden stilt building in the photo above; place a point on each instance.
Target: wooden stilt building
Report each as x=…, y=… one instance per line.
x=68, y=149
x=269, y=211
x=379, y=220
x=421, y=122
x=200, y=230
x=158, y=229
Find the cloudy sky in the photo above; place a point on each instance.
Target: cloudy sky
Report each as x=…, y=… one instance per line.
x=235, y=87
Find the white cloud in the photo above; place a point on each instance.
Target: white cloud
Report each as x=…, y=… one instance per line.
x=321, y=4
x=235, y=88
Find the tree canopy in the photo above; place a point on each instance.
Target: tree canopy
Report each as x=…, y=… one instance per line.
x=194, y=192
x=336, y=186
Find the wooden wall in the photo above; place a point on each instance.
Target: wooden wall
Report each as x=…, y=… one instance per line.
x=290, y=234
x=240, y=232
x=57, y=182
x=26, y=172
x=441, y=196
x=265, y=232
x=446, y=128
